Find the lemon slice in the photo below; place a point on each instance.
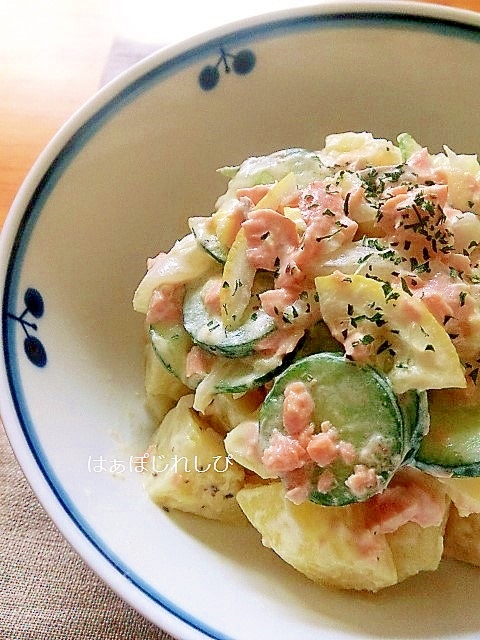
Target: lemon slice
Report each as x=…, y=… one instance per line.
x=283, y=190
x=237, y=283
x=392, y=330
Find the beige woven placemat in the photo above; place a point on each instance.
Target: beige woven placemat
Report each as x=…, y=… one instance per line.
x=47, y=592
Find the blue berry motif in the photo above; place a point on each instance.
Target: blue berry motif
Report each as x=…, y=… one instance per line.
x=34, y=349
x=241, y=63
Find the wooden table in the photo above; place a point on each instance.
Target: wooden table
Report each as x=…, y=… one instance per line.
x=53, y=53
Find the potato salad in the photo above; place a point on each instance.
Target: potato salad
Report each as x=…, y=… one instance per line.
x=312, y=359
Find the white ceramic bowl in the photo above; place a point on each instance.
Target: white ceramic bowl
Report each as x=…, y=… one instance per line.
x=116, y=185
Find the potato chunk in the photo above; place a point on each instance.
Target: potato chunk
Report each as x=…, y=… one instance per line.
x=462, y=537
x=189, y=469
x=335, y=546
x=464, y=493
x=162, y=388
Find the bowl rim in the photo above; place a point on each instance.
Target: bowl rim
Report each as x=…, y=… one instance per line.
x=87, y=116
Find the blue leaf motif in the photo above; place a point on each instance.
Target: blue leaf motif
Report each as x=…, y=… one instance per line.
x=241, y=63
x=35, y=307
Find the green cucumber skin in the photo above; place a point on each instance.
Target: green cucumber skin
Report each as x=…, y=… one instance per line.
x=171, y=345
x=452, y=446
x=317, y=339
x=330, y=369
x=444, y=471
x=231, y=343
x=414, y=407
x=439, y=468
x=207, y=240
x=242, y=383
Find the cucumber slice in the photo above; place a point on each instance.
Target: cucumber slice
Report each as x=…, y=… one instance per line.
x=317, y=339
x=200, y=226
x=452, y=445
x=253, y=373
x=171, y=344
x=358, y=402
x=210, y=333
x=235, y=376
x=407, y=145
x=416, y=419
x=306, y=165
